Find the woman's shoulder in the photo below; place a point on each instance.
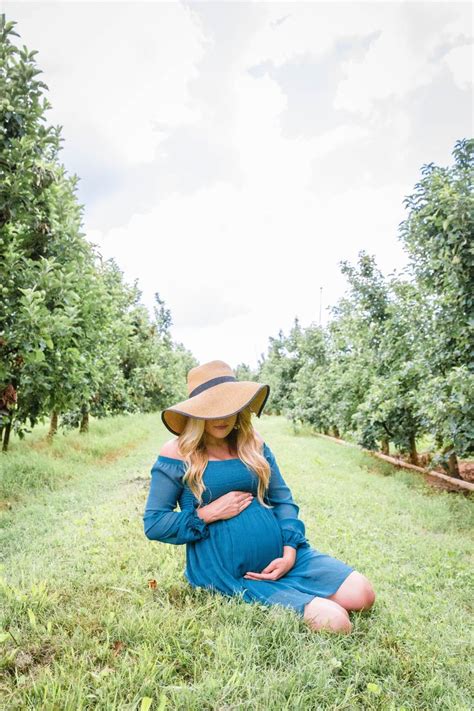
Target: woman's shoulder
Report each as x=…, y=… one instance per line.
x=170, y=449
x=264, y=448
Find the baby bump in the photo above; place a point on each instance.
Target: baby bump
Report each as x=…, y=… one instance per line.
x=248, y=541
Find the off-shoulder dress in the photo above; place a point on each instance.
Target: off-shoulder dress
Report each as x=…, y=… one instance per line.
x=219, y=554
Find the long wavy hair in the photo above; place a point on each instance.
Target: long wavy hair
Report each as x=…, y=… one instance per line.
x=242, y=442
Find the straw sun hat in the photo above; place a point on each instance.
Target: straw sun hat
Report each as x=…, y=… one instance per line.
x=215, y=393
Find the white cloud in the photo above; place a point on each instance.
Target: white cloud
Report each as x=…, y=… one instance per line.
x=403, y=40
x=275, y=166
x=119, y=73
x=400, y=60
x=308, y=28
x=460, y=60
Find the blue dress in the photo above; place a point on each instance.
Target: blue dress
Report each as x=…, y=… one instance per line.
x=219, y=554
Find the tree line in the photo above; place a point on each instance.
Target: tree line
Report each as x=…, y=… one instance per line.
x=395, y=362
x=74, y=338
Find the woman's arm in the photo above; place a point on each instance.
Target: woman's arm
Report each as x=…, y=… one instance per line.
x=160, y=521
x=284, y=507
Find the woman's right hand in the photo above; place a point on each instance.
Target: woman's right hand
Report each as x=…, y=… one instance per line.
x=226, y=506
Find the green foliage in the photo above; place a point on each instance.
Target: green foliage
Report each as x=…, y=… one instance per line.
x=280, y=369
x=395, y=362
x=74, y=338
x=438, y=235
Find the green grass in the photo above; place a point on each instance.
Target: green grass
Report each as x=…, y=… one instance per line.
x=88, y=633
x=33, y=463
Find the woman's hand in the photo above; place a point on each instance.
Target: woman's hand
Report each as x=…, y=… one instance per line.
x=277, y=567
x=226, y=506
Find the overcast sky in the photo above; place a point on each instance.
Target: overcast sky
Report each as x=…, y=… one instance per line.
x=231, y=154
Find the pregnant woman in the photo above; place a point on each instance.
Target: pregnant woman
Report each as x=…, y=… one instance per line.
x=237, y=516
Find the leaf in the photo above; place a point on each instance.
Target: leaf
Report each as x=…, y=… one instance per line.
x=373, y=688
x=103, y=672
x=146, y=703
x=38, y=356
x=447, y=221
x=31, y=617
x=4, y=636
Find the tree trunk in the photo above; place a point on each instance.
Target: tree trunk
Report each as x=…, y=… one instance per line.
x=413, y=452
x=336, y=432
x=452, y=466
x=84, y=422
x=6, y=436
x=385, y=446
x=53, y=425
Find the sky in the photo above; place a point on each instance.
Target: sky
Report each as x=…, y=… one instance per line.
x=231, y=154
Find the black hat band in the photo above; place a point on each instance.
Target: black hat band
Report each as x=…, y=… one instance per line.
x=211, y=383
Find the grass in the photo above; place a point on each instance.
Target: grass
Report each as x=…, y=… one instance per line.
x=82, y=629
x=33, y=463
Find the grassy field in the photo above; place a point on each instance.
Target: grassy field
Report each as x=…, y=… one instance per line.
x=82, y=629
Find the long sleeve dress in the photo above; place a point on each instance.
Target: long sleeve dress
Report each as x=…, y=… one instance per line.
x=219, y=554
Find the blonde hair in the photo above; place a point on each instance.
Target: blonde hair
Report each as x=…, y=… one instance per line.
x=242, y=442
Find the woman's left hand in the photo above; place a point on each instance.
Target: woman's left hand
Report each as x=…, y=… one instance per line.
x=276, y=568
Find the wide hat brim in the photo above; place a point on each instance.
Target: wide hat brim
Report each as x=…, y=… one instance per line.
x=218, y=402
